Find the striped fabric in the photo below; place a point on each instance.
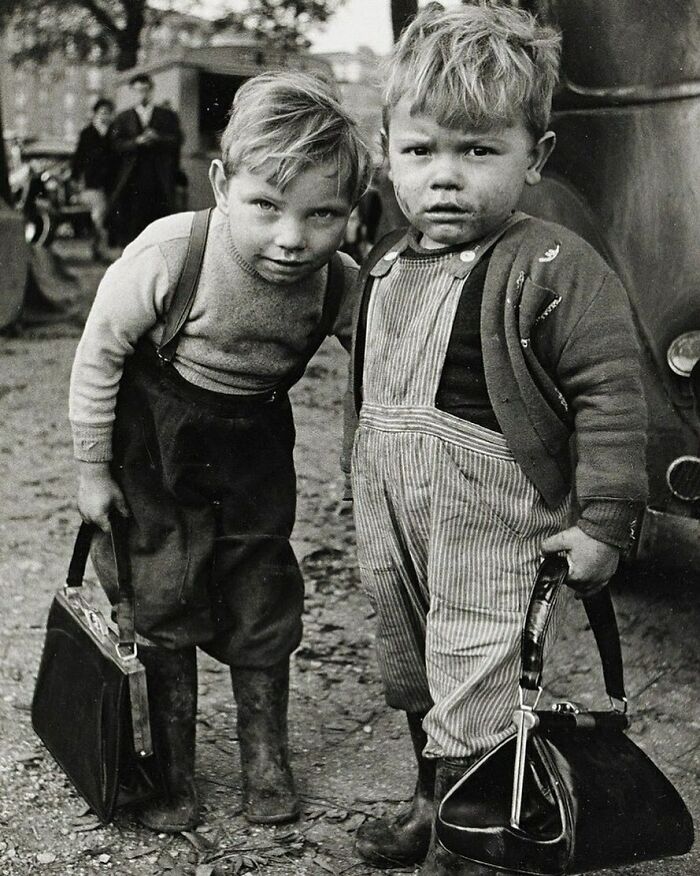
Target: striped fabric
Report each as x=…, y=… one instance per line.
x=448, y=526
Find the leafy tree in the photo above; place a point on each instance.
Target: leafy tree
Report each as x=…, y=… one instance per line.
x=110, y=30
x=283, y=21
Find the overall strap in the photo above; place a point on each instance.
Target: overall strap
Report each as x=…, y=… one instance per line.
x=383, y=246
x=186, y=289
x=333, y=295
x=365, y=281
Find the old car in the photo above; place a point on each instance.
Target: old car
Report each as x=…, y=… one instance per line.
x=45, y=192
x=626, y=176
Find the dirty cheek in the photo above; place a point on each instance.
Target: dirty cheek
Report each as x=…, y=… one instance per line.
x=403, y=194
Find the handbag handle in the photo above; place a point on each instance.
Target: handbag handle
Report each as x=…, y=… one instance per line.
x=124, y=608
x=599, y=608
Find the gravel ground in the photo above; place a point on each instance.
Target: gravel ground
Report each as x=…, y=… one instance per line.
x=350, y=754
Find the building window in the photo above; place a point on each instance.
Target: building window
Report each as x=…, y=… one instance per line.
x=94, y=78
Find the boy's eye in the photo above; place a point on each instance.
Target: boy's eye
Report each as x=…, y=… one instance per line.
x=325, y=213
x=418, y=151
x=480, y=151
x=265, y=206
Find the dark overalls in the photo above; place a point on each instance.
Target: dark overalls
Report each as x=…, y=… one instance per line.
x=210, y=483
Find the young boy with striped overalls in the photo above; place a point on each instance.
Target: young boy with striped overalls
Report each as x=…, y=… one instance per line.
x=501, y=415
x=181, y=419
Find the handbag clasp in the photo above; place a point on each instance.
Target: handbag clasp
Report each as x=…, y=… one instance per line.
x=568, y=707
x=619, y=705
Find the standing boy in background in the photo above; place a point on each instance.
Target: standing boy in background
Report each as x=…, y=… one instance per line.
x=94, y=166
x=501, y=414
x=194, y=438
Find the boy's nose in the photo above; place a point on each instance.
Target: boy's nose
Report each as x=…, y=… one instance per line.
x=447, y=173
x=290, y=235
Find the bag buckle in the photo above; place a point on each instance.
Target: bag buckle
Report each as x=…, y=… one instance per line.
x=126, y=650
x=523, y=695
x=525, y=719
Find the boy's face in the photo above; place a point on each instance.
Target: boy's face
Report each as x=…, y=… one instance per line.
x=284, y=235
x=456, y=185
x=103, y=115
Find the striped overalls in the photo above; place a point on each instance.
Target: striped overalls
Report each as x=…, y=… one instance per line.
x=448, y=526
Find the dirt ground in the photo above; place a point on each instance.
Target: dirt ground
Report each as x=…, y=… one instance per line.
x=350, y=753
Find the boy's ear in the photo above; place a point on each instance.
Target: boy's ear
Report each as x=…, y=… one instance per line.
x=219, y=184
x=538, y=157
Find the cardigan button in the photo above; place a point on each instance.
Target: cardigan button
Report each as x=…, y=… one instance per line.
x=467, y=255
x=391, y=256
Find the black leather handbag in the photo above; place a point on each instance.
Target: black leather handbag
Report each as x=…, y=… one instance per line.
x=569, y=792
x=90, y=705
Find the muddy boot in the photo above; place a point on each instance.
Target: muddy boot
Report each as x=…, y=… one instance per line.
x=261, y=696
x=172, y=694
x=440, y=862
x=403, y=840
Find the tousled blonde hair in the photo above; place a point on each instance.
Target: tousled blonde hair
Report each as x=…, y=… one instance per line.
x=285, y=122
x=478, y=66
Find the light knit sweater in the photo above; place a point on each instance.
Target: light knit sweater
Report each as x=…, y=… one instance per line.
x=243, y=334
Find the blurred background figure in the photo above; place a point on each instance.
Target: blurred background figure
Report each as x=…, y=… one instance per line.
x=94, y=168
x=147, y=139
x=361, y=232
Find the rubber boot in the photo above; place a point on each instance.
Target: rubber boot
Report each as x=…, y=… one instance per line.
x=262, y=696
x=438, y=861
x=403, y=840
x=172, y=696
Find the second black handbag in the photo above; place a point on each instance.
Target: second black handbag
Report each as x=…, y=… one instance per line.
x=90, y=705
x=570, y=791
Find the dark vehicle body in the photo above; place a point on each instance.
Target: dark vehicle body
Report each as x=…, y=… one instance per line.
x=626, y=176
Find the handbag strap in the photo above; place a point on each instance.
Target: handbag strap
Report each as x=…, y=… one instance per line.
x=599, y=608
x=186, y=288
x=124, y=608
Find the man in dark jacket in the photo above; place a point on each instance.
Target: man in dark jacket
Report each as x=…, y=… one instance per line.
x=94, y=167
x=148, y=139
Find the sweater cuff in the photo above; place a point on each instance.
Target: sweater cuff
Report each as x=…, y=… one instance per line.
x=612, y=521
x=92, y=443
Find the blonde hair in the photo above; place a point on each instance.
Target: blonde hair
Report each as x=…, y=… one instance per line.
x=284, y=123
x=477, y=66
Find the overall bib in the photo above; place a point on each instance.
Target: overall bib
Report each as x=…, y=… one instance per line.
x=448, y=526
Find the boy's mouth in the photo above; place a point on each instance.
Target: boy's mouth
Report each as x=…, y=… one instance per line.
x=446, y=211
x=291, y=264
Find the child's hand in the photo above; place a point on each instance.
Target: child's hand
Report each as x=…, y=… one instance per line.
x=98, y=494
x=591, y=562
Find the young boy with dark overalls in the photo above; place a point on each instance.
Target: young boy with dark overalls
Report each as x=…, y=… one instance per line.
x=501, y=415
x=191, y=435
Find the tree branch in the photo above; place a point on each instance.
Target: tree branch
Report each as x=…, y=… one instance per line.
x=100, y=15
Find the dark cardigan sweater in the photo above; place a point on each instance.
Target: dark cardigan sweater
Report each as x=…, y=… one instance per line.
x=561, y=361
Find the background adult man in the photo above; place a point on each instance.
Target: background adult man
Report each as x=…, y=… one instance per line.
x=148, y=139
